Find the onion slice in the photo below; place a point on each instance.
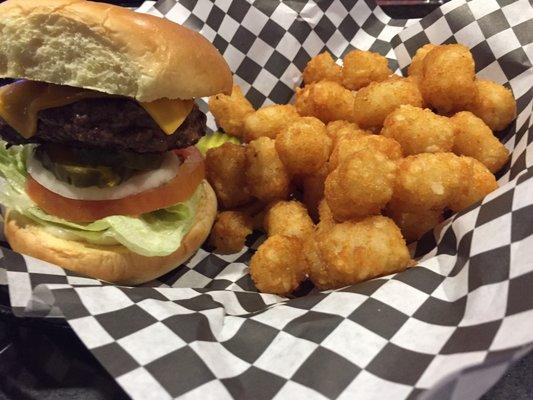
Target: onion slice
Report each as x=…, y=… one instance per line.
x=140, y=182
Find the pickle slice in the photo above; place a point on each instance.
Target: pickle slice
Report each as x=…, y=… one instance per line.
x=84, y=175
x=97, y=157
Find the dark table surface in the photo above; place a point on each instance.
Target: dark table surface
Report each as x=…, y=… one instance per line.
x=44, y=360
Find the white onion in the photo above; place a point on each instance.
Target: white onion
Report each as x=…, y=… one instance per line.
x=137, y=183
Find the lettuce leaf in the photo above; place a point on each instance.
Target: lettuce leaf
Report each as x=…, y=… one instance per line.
x=158, y=233
x=13, y=169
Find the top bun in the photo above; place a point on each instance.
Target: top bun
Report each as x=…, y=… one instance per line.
x=108, y=48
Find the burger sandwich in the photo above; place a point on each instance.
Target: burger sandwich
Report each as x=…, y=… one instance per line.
x=98, y=121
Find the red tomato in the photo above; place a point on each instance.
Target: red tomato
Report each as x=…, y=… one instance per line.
x=179, y=189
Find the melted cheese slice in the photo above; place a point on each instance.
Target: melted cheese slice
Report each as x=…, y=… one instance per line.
x=168, y=114
x=22, y=100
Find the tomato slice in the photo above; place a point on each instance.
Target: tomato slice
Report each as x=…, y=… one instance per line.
x=179, y=189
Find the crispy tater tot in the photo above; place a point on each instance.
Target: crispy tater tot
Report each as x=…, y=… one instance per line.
x=347, y=133
x=268, y=121
x=266, y=177
x=225, y=171
x=416, y=69
x=255, y=210
x=361, y=185
x=374, y=102
x=419, y=130
x=304, y=146
x=480, y=182
x=230, y=231
x=362, y=67
x=354, y=251
x=334, y=126
x=317, y=269
x=347, y=146
x=414, y=224
x=320, y=68
x=338, y=130
x=288, y=218
x=325, y=217
x=325, y=100
x=230, y=111
x=313, y=190
x=447, y=83
x=278, y=265
x=494, y=104
x=428, y=181
x=474, y=138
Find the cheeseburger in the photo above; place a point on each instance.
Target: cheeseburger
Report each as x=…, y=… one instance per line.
x=99, y=123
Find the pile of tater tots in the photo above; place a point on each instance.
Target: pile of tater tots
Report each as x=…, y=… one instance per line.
x=361, y=164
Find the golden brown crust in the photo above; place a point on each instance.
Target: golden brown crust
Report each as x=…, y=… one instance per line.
x=114, y=264
x=108, y=48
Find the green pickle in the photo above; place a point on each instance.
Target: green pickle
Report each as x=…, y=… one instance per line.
x=85, y=168
x=118, y=158
x=213, y=140
x=85, y=176
x=82, y=167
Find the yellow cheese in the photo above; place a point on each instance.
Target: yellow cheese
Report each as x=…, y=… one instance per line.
x=22, y=100
x=168, y=114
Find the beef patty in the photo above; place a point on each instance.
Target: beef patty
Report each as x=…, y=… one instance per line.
x=112, y=123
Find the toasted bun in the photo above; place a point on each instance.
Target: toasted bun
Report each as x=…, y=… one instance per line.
x=108, y=48
x=114, y=264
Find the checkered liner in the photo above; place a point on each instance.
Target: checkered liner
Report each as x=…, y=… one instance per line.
x=447, y=329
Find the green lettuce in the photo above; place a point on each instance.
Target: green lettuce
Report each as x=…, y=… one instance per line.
x=158, y=233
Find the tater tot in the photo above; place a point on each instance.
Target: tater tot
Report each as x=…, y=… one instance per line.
x=325, y=100
x=480, y=182
x=414, y=224
x=288, y=218
x=347, y=146
x=447, y=83
x=374, y=102
x=474, y=138
x=266, y=177
x=268, y=121
x=338, y=130
x=334, y=126
x=352, y=252
x=304, y=146
x=361, y=185
x=362, y=67
x=230, y=111
x=317, y=269
x=225, y=171
x=313, y=190
x=325, y=217
x=428, y=181
x=419, y=130
x=230, y=230
x=255, y=210
x=278, y=265
x=320, y=68
x=416, y=69
x=494, y=104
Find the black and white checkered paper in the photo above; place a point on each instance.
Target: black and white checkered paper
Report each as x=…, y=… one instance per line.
x=446, y=329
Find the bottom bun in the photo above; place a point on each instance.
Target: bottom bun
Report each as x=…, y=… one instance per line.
x=114, y=264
